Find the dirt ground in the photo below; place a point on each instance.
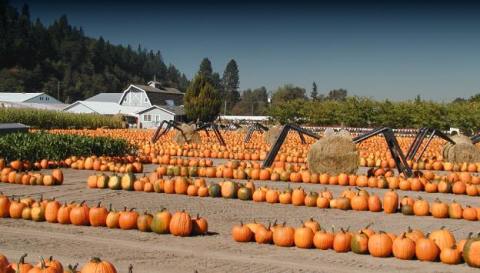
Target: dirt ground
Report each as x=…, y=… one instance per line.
x=150, y=252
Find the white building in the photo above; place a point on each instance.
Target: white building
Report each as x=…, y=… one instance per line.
x=38, y=100
x=148, y=105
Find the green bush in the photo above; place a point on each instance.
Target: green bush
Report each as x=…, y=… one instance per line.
x=46, y=119
x=40, y=145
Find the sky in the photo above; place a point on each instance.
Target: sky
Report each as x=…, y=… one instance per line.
x=393, y=50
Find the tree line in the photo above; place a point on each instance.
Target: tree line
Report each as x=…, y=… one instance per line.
x=62, y=61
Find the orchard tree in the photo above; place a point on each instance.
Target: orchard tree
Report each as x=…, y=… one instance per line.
x=201, y=100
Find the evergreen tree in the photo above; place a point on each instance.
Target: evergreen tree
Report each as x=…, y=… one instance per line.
x=231, y=82
x=314, y=93
x=206, y=68
x=201, y=100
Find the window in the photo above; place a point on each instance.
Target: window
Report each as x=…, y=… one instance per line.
x=170, y=102
x=147, y=117
x=157, y=118
x=146, y=99
x=47, y=98
x=41, y=98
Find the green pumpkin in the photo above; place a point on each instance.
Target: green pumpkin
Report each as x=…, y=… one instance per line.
x=127, y=181
x=170, y=171
x=156, y=186
x=114, y=182
x=192, y=171
x=176, y=171
x=214, y=190
x=244, y=193
x=159, y=225
x=472, y=245
x=102, y=181
x=407, y=210
x=358, y=247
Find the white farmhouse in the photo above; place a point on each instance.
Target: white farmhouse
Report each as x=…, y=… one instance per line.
x=38, y=100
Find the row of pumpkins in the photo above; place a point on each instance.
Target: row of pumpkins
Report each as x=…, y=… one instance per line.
x=457, y=183
x=359, y=200
x=439, y=244
x=95, y=265
x=80, y=214
x=9, y=175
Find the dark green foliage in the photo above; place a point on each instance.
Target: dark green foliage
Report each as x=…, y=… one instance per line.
x=252, y=102
x=44, y=119
x=364, y=112
x=40, y=145
x=288, y=92
x=314, y=93
x=201, y=100
x=231, y=82
x=37, y=58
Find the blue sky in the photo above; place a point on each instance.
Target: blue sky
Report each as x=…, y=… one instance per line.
x=394, y=51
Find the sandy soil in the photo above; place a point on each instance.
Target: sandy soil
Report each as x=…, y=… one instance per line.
x=150, y=252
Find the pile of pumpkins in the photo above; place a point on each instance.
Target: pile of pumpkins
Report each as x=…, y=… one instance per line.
x=51, y=265
x=358, y=200
x=102, y=164
x=13, y=176
x=80, y=214
x=438, y=245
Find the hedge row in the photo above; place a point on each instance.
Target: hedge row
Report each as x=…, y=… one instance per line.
x=42, y=145
x=47, y=119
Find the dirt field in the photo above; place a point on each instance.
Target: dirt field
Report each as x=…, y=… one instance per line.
x=150, y=252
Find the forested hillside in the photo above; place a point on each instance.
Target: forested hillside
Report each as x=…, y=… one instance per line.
x=35, y=57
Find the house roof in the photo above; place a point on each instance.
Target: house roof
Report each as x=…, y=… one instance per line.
x=17, y=96
x=106, y=108
x=44, y=106
x=165, y=90
x=174, y=110
x=106, y=97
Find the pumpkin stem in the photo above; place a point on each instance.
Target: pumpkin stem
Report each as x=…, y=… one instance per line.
x=132, y=209
x=110, y=207
x=130, y=268
x=99, y=203
x=369, y=225
x=83, y=202
x=95, y=260
x=22, y=259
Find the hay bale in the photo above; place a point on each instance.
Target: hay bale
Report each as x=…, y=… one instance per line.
x=272, y=134
x=189, y=135
x=463, y=150
x=333, y=154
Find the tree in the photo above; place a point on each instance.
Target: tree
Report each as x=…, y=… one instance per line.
x=201, y=100
x=314, y=92
x=288, y=92
x=206, y=68
x=252, y=102
x=231, y=83
x=337, y=94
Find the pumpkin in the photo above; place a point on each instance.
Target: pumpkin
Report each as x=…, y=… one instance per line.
x=63, y=214
x=403, y=247
x=51, y=264
x=57, y=175
x=284, y=236
x=271, y=196
x=51, y=211
x=95, y=265
x=439, y=209
x=259, y=195
x=127, y=181
x=359, y=202
x=181, y=224
x=390, y=202
x=421, y=207
x=38, y=214
x=229, y=189
x=4, y=206
x=426, y=250
x=241, y=233
x=359, y=243
x=323, y=240
x=471, y=252
x=450, y=256
x=102, y=181
x=443, y=238
x=298, y=197
x=285, y=197
x=312, y=224
x=264, y=235
x=468, y=213
x=128, y=219
x=20, y=267
x=214, y=190
x=181, y=185
x=455, y=210
x=144, y=222
x=414, y=234
x=199, y=226
x=98, y=216
x=79, y=215
x=161, y=222
x=16, y=208
x=3, y=262
x=342, y=241
x=380, y=245
x=114, y=182
x=374, y=203
x=303, y=237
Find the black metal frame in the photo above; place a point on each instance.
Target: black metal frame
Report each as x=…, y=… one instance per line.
x=395, y=150
x=419, y=138
x=281, y=138
x=254, y=127
x=214, y=128
x=475, y=139
x=159, y=133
